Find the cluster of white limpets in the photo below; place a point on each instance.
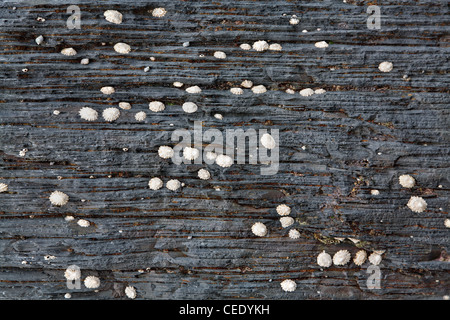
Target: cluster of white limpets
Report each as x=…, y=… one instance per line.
x=416, y=204
x=343, y=257
x=260, y=229
x=261, y=45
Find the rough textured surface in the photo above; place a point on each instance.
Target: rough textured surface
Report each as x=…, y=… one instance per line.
x=365, y=131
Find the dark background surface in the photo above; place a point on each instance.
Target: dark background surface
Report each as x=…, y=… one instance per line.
x=365, y=131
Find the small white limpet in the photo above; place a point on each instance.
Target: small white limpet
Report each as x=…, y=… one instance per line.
x=178, y=84
x=72, y=273
x=417, y=204
x=39, y=40
x=165, y=152
x=111, y=114
x=321, y=44
x=306, y=92
x=69, y=218
x=375, y=258
x=283, y=210
x=286, y=221
x=288, y=285
x=224, y=161
x=130, y=292
x=159, y=12
x=247, y=84
x=294, y=234
x=275, y=47
x=92, y=282
x=107, y=90
x=385, y=66
x=245, y=46
x=406, y=181
x=268, y=141
x=189, y=107
x=211, y=155
x=259, y=89
x=375, y=192
x=88, y=114
x=83, y=223
x=124, y=105
x=84, y=61
x=191, y=153
x=259, y=229
x=360, y=257
x=294, y=21
x=220, y=55
x=324, y=259
x=204, y=174
x=68, y=51
x=122, y=48
x=113, y=16
x=260, y=45
x=173, y=184
x=193, y=89
x=58, y=198
x=237, y=91
x=319, y=91
x=290, y=91
x=341, y=258
x=218, y=116
x=3, y=187
x=140, y=116
x=447, y=223
x=155, y=183
x=67, y=296
x=156, y=106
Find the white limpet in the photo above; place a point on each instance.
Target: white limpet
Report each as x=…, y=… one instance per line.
x=58, y=198
x=140, y=116
x=124, y=105
x=275, y=47
x=375, y=192
x=288, y=285
x=211, y=155
x=165, y=152
x=287, y=221
x=113, y=16
x=375, y=258
x=341, y=258
x=107, y=90
x=3, y=187
x=122, y=48
x=307, y=92
x=159, y=12
x=68, y=51
x=290, y=91
x=360, y=257
x=111, y=114
x=155, y=183
x=193, y=89
x=259, y=229
x=72, y=273
x=237, y=91
x=156, y=106
x=56, y=112
x=88, y=114
x=67, y=296
x=173, y=184
x=130, y=292
x=245, y=46
x=319, y=91
x=417, y=204
x=294, y=234
x=220, y=55
x=190, y=153
x=268, y=141
x=218, y=116
x=294, y=21
x=247, y=84
x=204, y=174
x=92, y=282
x=83, y=223
x=260, y=45
x=177, y=84
x=69, y=218
x=406, y=181
x=324, y=259
x=84, y=61
x=321, y=44
x=224, y=161
x=39, y=40
x=189, y=107
x=447, y=223
x=283, y=210
x=259, y=89
x=385, y=66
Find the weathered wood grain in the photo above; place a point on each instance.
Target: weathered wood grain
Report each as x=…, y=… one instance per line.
x=369, y=128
